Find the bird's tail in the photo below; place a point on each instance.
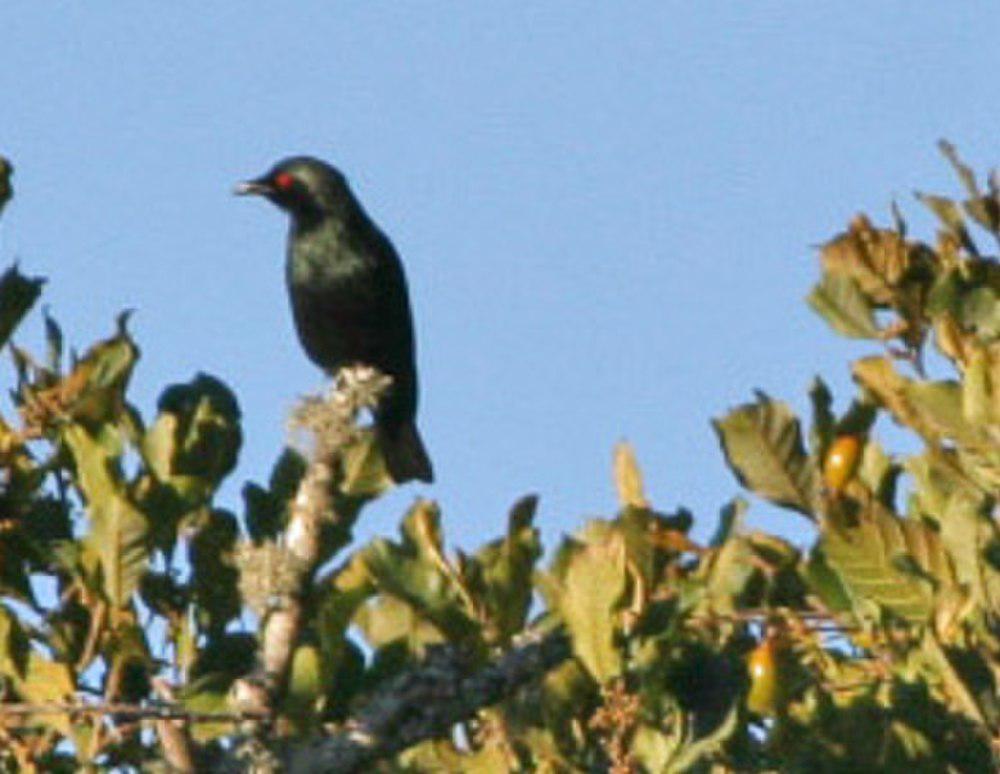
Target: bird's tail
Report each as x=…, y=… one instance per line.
x=405, y=455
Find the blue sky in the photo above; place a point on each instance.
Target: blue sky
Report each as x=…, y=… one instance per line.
x=607, y=211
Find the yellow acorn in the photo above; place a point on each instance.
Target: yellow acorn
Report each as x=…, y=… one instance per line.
x=767, y=683
x=841, y=462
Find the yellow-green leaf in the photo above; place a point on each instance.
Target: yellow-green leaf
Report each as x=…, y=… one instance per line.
x=838, y=299
x=590, y=590
x=762, y=442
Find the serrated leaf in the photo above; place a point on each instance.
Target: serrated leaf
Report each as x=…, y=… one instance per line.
x=762, y=442
x=870, y=554
x=838, y=299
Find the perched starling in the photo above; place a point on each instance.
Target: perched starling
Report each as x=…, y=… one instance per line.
x=349, y=297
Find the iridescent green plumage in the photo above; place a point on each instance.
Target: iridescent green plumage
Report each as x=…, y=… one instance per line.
x=349, y=296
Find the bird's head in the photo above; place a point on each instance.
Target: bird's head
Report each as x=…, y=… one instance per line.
x=303, y=186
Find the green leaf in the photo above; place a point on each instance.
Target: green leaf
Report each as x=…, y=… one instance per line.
x=504, y=569
x=967, y=530
x=878, y=472
x=267, y=509
x=46, y=682
x=118, y=530
x=208, y=694
x=951, y=218
x=838, y=299
x=54, y=341
x=628, y=477
x=762, y=442
x=826, y=583
x=305, y=688
x=890, y=561
x=586, y=587
x=215, y=579
x=14, y=644
x=195, y=440
x=18, y=294
x=932, y=409
x=727, y=569
x=389, y=620
x=417, y=572
x=363, y=469
x=981, y=386
x=823, y=420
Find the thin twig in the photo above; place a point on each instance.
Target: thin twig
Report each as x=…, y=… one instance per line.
x=126, y=712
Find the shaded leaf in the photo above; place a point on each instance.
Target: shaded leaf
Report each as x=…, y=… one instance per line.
x=18, y=294
x=502, y=572
x=6, y=189
x=194, y=442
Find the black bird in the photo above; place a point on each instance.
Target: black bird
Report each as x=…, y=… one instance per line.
x=349, y=296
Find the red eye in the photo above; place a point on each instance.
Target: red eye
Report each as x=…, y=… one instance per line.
x=284, y=181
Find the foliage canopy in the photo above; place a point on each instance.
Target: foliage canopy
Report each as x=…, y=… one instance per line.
x=144, y=625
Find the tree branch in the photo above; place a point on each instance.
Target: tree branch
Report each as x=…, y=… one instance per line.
x=426, y=702
x=301, y=548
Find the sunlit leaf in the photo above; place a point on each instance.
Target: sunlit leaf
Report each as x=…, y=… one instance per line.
x=838, y=299
x=628, y=477
x=762, y=442
x=870, y=553
x=586, y=586
x=875, y=259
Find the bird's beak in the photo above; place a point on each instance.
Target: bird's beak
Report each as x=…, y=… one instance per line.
x=252, y=188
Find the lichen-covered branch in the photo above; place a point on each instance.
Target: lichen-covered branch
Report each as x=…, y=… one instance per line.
x=426, y=702
x=275, y=577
